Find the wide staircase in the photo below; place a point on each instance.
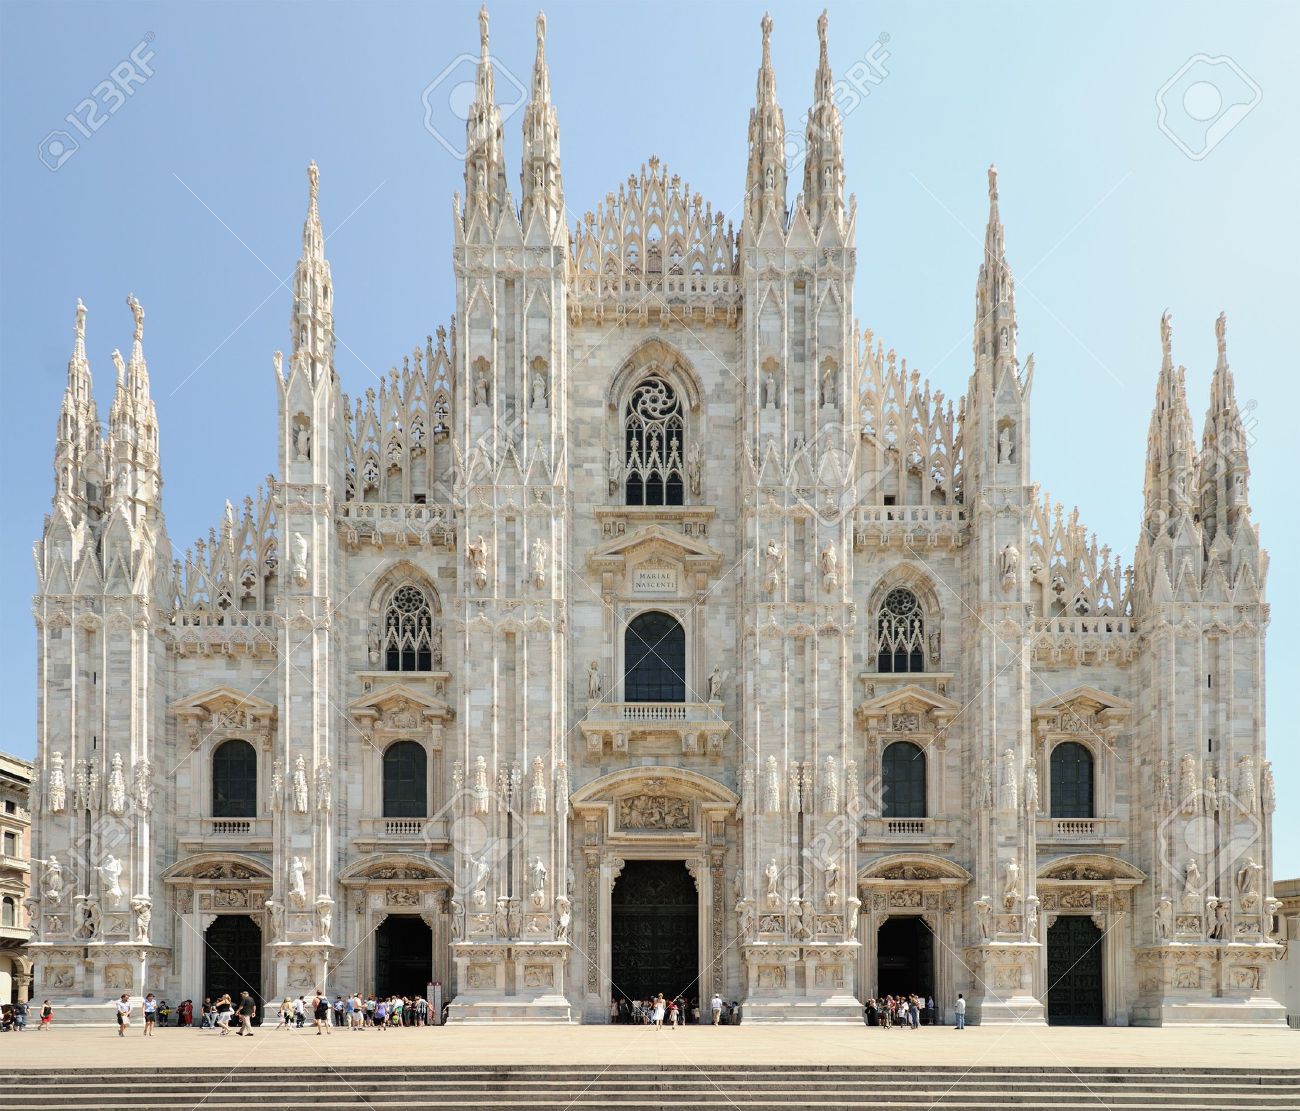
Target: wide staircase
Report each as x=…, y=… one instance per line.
x=650, y=1088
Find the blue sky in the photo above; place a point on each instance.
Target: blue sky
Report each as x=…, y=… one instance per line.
x=191, y=195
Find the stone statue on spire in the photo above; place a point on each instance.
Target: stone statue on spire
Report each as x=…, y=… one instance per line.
x=137, y=310
x=541, y=29
x=1221, y=335
x=313, y=181
x=81, y=321
x=993, y=184
x=1166, y=331
x=483, y=27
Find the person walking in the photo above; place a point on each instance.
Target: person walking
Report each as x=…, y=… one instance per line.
x=47, y=1015
x=299, y=1012
x=20, y=1016
x=247, y=1009
x=123, y=1015
x=657, y=1015
x=224, y=1010
x=150, y=1014
x=715, y=1006
x=321, y=1014
x=959, y=1009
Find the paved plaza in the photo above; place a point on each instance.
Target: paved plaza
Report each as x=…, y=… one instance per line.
x=90, y=1047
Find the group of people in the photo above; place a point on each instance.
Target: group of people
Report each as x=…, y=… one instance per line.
x=659, y=1011
x=910, y=1011
x=13, y=1016
x=354, y=1012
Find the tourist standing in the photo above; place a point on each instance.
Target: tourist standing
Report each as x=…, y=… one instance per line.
x=20, y=1016
x=657, y=1015
x=715, y=1006
x=299, y=1012
x=150, y=1014
x=123, y=1015
x=929, y=1009
x=960, y=1009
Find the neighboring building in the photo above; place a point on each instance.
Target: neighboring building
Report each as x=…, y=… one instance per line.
x=15, y=877
x=654, y=626
x=1285, y=985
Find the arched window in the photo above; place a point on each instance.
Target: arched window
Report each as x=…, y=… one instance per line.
x=406, y=777
x=654, y=435
x=234, y=780
x=1072, y=781
x=902, y=773
x=9, y=912
x=654, y=656
x=408, y=631
x=900, y=633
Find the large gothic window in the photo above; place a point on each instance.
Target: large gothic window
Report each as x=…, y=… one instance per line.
x=406, y=777
x=900, y=633
x=655, y=659
x=1072, y=788
x=234, y=780
x=902, y=768
x=408, y=631
x=655, y=433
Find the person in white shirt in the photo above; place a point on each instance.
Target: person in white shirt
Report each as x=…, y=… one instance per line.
x=123, y=1015
x=960, y=1008
x=715, y=1005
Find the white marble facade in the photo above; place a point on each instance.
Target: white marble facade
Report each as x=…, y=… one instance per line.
x=849, y=561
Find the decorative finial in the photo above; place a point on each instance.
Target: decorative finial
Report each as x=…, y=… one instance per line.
x=767, y=32
x=483, y=28
x=1221, y=334
x=993, y=183
x=137, y=310
x=541, y=29
x=81, y=321
x=313, y=181
x=821, y=29
x=1166, y=331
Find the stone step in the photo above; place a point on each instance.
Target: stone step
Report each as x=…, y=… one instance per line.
x=920, y=1100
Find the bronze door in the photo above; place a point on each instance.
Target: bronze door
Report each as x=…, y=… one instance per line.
x=654, y=935
x=1074, y=996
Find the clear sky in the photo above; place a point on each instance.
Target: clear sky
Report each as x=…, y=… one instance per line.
x=191, y=194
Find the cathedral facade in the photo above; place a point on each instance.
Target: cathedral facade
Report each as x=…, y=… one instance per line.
x=654, y=628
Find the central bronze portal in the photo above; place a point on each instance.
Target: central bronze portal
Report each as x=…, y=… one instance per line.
x=655, y=931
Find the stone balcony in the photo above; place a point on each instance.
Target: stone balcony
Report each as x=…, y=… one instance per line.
x=622, y=728
x=217, y=834
x=399, y=524
x=882, y=526
x=1059, y=833
x=636, y=299
x=399, y=834
x=878, y=833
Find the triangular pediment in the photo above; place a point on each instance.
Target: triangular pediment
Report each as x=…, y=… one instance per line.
x=1082, y=700
x=399, y=704
x=651, y=541
x=224, y=700
x=912, y=698
x=1084, y=867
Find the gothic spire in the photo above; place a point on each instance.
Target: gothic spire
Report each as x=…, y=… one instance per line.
x=78, y=452
x=995, y=295
x=312, y=325
x=1225, y=469
x=765, y=179
x=1171, y=453
x=542, y=185
x=823, y=171
x=485, y=175
x=134, y=463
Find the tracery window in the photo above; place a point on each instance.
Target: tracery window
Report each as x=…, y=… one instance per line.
x=234, y=780
x=406, y=773
x=408, y=631
x=1072, y=781
x=654, y=652
x=900, y=633
x=902, y=774
x=654, y=433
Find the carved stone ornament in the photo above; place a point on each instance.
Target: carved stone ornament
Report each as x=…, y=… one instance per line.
x=652, y=811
